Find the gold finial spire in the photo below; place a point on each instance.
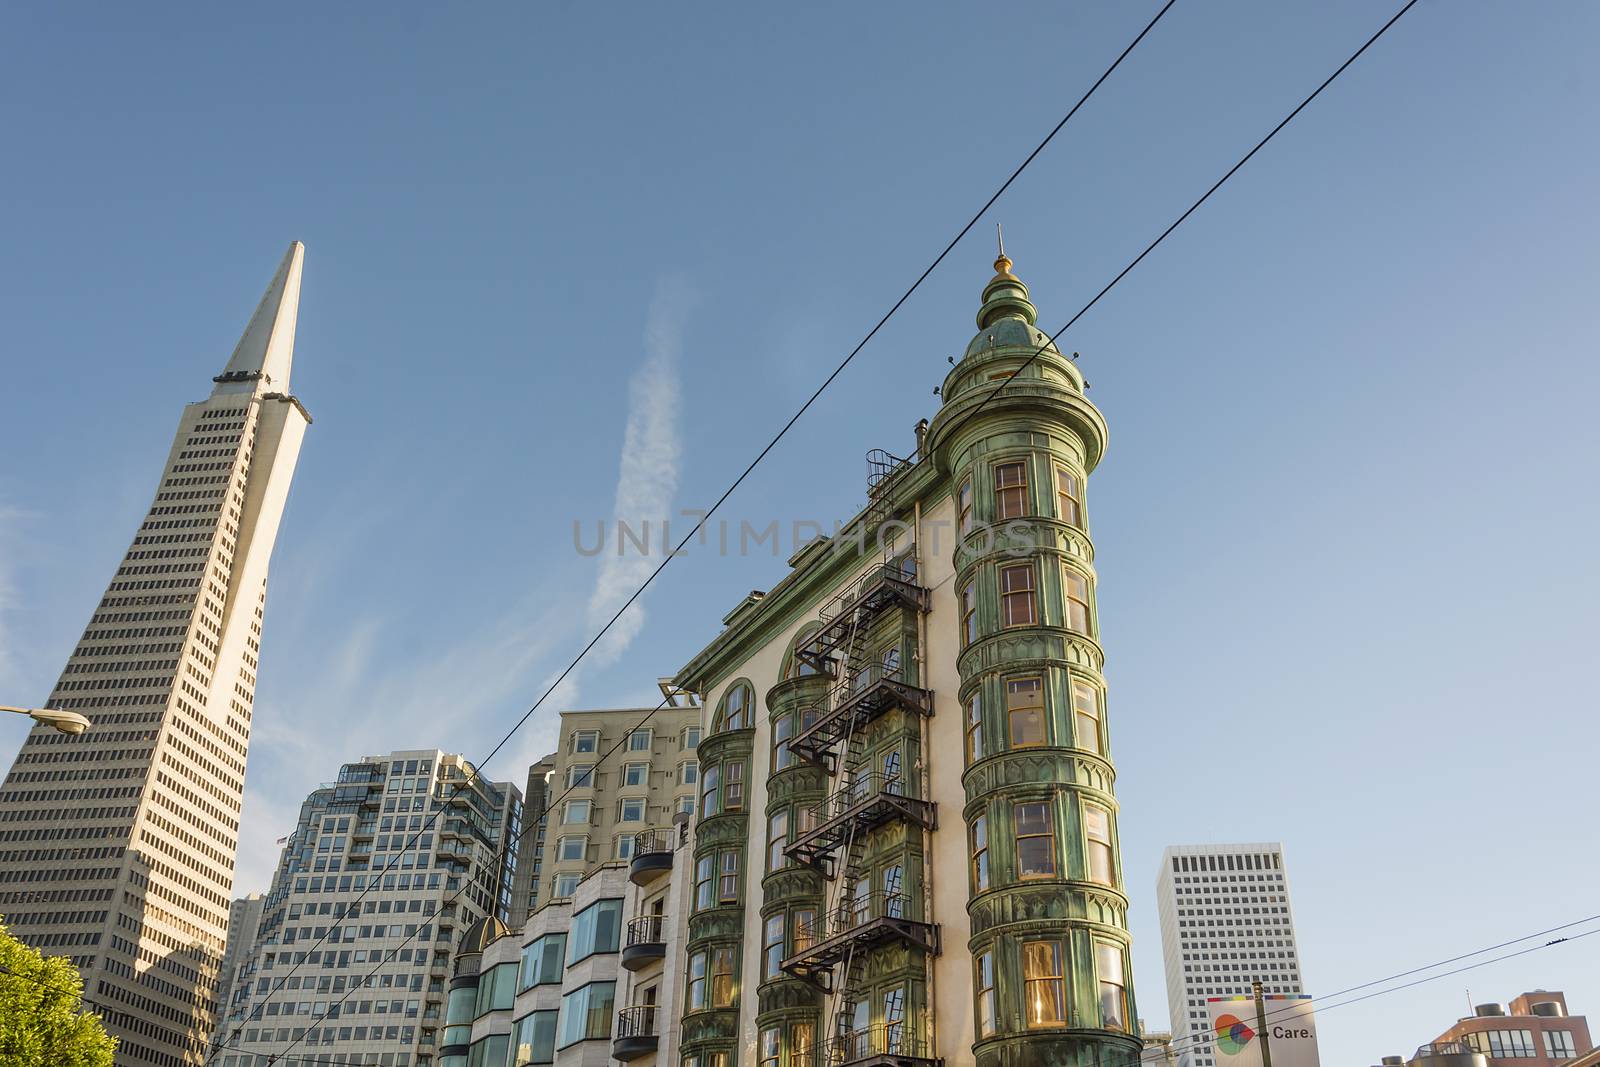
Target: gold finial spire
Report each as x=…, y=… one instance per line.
x=1002, y=265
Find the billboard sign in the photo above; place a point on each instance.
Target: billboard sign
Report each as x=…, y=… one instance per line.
x=1291, y=1031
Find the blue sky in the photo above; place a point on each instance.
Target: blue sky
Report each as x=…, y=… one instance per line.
x=1345, y=527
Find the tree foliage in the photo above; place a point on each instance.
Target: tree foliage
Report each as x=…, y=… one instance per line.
x=43, y=1022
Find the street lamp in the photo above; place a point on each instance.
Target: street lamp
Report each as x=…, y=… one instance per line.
x=68, y=722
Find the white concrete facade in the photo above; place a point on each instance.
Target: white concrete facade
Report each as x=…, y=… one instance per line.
x=1226, y=923
x=950, y=1023
x=367, y=904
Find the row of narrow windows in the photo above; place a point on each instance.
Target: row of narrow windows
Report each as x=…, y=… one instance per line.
x=72, y=773
x=229, y=801
x=84, y=754
x=58, y=815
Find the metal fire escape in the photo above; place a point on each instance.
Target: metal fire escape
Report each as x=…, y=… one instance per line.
x=831, y=952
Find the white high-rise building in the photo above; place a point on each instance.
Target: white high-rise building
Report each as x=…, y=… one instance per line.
x=386, y=868
x=1225, y=924
x=119, y=843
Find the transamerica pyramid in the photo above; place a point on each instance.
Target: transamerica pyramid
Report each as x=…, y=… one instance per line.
x=117, y=846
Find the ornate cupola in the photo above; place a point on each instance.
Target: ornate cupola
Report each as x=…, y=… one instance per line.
x=1008, y=342
x=1005, y=297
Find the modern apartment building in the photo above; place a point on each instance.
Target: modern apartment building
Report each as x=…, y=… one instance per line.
x=583, y=984
x=1533, y=1031
x=905, y=846
x=1226, y=923
x=244, y=925
x=118, y=847
x=365, y=910
x=600, y=802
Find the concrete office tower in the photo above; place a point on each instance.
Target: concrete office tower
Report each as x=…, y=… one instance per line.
x=244, y=923
x=120, y=847
x=530, y=850
x=906, y=845
x=389, y=950
x=1225, y=923
x=599, y=809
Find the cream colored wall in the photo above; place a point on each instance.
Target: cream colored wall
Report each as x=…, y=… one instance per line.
x=664, y=787
x=951, y=992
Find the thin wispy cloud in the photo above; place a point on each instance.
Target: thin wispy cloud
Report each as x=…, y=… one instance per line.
x=355, y=700
x=647, y=483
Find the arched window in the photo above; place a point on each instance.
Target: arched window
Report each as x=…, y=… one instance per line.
x=735, y=710
x=795, y=665
x=782, y=731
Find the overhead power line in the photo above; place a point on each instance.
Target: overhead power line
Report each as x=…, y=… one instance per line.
x=1202, y=1039
x=1181, y=219
x=988, y=399
x=782, y=432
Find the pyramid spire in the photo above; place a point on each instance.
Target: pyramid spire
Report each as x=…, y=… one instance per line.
x=267, y=347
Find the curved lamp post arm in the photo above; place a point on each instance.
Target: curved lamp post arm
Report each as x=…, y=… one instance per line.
x=68, y=722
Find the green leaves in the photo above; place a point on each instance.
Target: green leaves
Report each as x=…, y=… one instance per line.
x=43, y=1021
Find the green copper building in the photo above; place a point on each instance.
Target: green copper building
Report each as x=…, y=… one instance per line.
x=905, y=844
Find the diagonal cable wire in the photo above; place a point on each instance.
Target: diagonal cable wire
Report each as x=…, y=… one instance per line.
x=1004, y=382
x=784, y=430
x=1181, y=219
x=1203, y=1038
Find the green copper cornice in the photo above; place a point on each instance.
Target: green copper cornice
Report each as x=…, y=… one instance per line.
x=1035, y=404
x=817, y=574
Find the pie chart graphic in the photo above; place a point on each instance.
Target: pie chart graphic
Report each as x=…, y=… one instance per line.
x=1232, y=1034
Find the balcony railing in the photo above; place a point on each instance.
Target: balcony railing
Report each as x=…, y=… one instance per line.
x=648, y=842
x=637, y=1021
x=868, y=800
x=635, y=1035
x=868, y=693
x=652, y=855
x=889, y=1043
x=646, y=930
x=646, y=942
x=858, y=924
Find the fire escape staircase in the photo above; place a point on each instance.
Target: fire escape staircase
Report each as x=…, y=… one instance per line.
x=831, y=951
